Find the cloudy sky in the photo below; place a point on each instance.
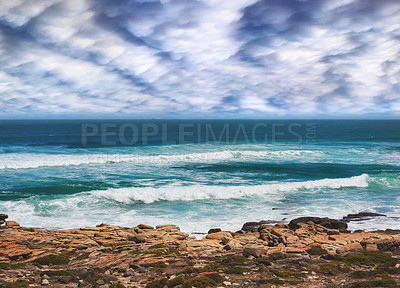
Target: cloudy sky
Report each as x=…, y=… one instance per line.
x=199, y=58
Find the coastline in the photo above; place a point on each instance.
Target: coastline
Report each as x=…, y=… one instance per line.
x=307, y=252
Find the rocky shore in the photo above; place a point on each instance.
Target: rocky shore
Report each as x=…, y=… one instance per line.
x=307, y=252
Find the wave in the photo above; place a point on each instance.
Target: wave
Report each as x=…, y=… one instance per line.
x=28, y=160
x=198, y=192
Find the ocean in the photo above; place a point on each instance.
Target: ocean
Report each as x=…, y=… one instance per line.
x=198, y=174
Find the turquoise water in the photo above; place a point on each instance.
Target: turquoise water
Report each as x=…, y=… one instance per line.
x=63, y=174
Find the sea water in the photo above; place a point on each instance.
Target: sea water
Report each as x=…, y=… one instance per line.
x=198, y=174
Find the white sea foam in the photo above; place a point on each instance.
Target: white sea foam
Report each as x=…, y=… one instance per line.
x=28, y=160
x=198, y=192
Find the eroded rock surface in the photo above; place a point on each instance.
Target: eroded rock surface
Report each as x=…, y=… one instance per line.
x=308, y=252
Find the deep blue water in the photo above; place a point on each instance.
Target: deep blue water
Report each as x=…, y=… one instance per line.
x=198, y=173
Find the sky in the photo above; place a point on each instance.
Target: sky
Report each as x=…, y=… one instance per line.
x=199, y=58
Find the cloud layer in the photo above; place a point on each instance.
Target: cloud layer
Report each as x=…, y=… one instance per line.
x=204, y=58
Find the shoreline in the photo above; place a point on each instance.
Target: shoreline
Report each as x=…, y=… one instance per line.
x=306, y=252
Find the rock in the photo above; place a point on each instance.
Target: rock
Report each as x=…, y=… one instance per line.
x=219, y=235
x=129, y=273
x=214, y=230
x=254, y=251
x=362, y=216
x=294, y=250
x=45, y=282
x=350, y=247
x=227, y=283
x=272, y=239
x=325, y=222
x=168, y=228
x=138, y=239
x=248, y=238
x=232, y=244
x=12, y=224
x=145, y=227
x=253, y=226
x=371, y=247
x=393, y=246
x=175, y=268
x=3, y=216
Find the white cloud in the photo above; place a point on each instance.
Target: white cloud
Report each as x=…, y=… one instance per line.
x=200, y=58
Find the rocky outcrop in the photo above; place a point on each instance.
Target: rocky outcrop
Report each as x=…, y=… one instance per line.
x=308, y=252
x=325, y=222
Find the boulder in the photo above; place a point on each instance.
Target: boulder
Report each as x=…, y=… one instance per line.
x=232, y=244
x=3, y=218
x=325, y=222
x=12, y=224
x=214, y=230
x=253, y=226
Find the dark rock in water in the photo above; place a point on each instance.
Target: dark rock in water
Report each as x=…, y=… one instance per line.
x=362, y=216
x=214, y=230
x=326, y=222
x=3, y=218
x=392, y=231
x=253, y=226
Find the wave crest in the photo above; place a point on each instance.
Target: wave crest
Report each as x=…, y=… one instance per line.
x=26, y=161
x=197, y=192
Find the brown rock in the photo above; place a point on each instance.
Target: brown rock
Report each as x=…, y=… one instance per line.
x=232, y=244
x=325, y=222
x=350, y=247
x=12, y=224
x=272, y=239
x=204, y=244
x=294, y=250
x=168, y=228
x=219, y=235
x=371, y=247
x=248, y=238
x=254, y=251
x=138, y=239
